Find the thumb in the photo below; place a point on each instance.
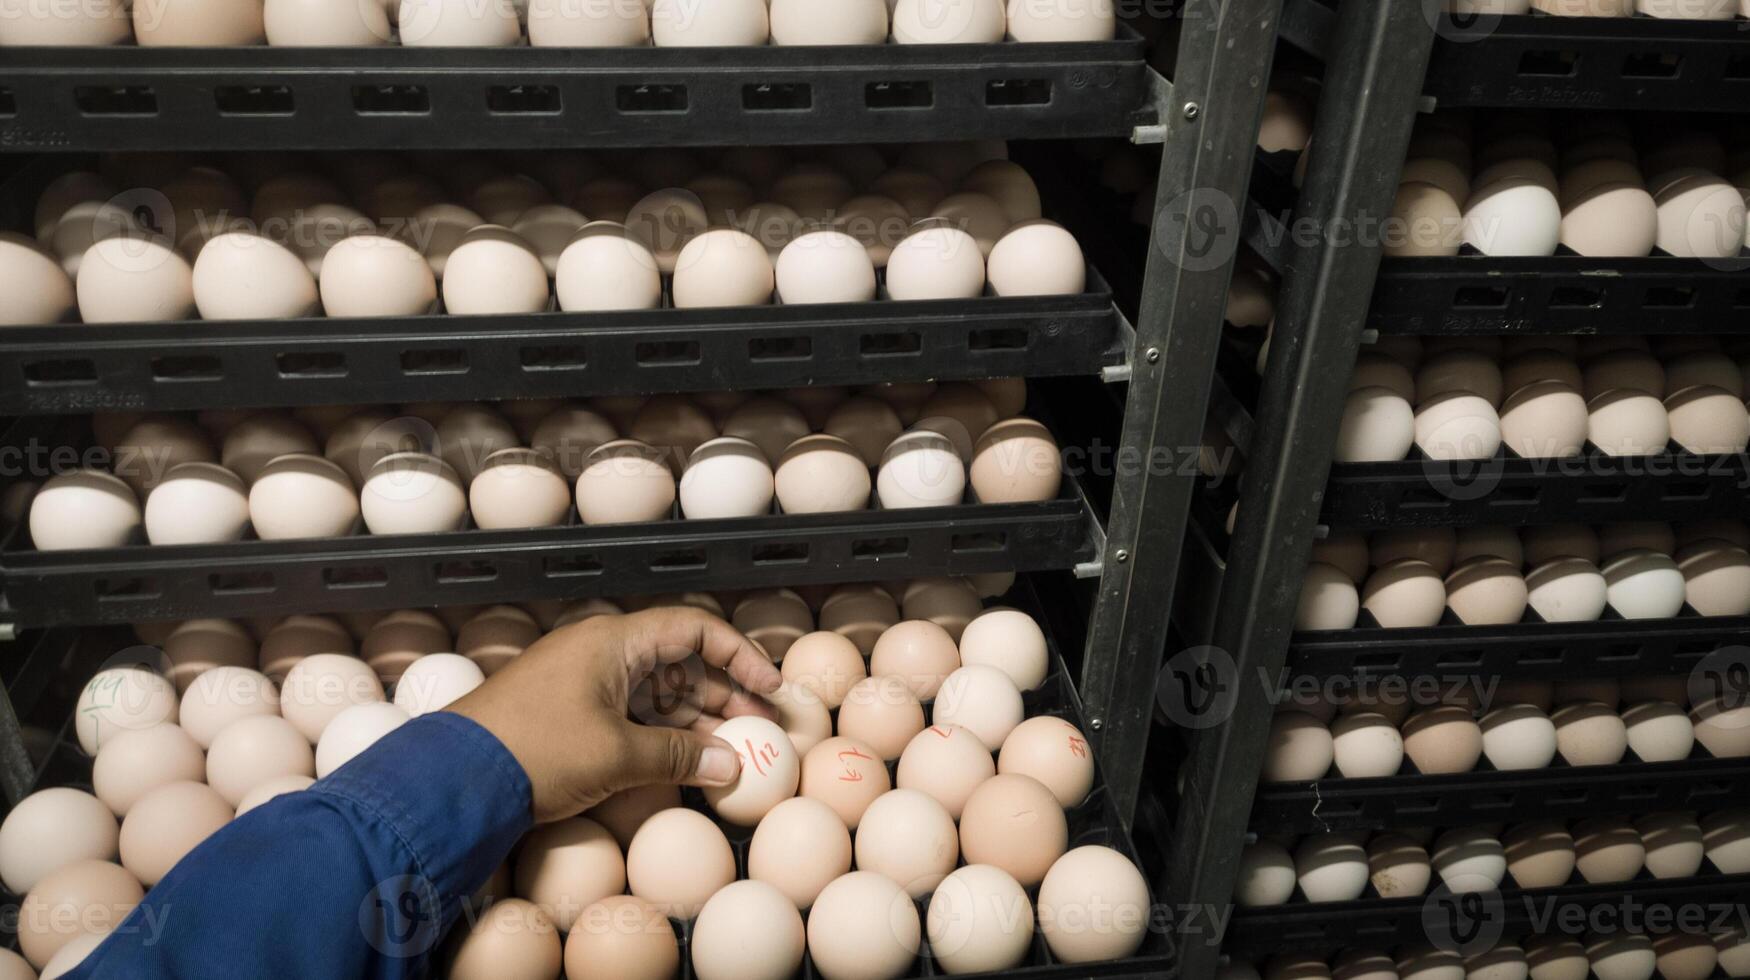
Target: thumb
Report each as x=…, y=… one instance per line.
x=677, y=755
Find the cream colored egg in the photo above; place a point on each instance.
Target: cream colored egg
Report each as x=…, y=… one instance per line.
x=1518, y=736
x=1700, y=216
x=1330, y=868
x=1708, y=421
x=1061, y=20
x=1093, y=906
x=1037, y=258
x=137, y=761
x=799, y=848
x=494, y=270
x=374, y=275
x=617, y=24
x=727, y=23
x=1425, y=221
x=936, y=261
x=1378, y=426
x=519, y=488
x=70, y=911
x=84, y=25
x=909, y=838
x=949, y=21
x=1457, y=425
x=241, y=276
x=723, y=267
x=1010, y=641
x=222, y=696
x=1673, y=844
x=510, y=938
x=435, y=681
x=825, y=267
x=458, y=24
x=625, y=482
x=413, y=493
x=946, y=762
x=1545, y=420
x=1469, y=860
x=981, y=699
x=1540, y=854
x=1398, y=867
x=1441, y=740
x=1716, y=578
x=622, y=938
x=1366, y=745
x=134, y=278
x=1659, y=731
x=1611, y=219
x=678, y=860
x=1567, y=590
x=198, y=24
x=1300, y=749
x=321, y=686
x=1590, y=734
x=770, y=770
x=49, y=294
x=353, y=731
x=302, y=496
x=1328, y=600
x=806, y=22
x=1487, y=591
x=162, y=827
x=1266, y=875
x=566, y=866
x=1405, y=593
x=326, y=23
x=1628, y=423
x=1642, y=584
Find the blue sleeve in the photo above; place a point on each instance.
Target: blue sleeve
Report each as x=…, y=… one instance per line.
x=359, y=876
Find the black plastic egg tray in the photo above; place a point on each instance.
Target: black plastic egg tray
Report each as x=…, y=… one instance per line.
x=1560, y=792
x=132, y=98
x=1561, y=294
x=1592, y=488
x=1532, y=650
x=1390, y=923
x=40, y=688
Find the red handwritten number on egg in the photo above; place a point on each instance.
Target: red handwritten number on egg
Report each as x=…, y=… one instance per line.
x=851, y=775
x=941, y=732
x=762, y=757
x=1077, y=747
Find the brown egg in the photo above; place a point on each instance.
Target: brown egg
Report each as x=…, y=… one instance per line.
x=1446, y=739
x=1054, y=752
x=951, y=603
x=769, y=423
x=566, y=866
x=166, y=824
x=1013, y=822
x=496, y=636
x=147, y=452
x=198, y=24
x=626, y=482
x=513, y=940
x=869, y=424
x=400, y=638
x=622, y=938
x=827, y=665
x=86, y=897
x=919, y=652
x=882, y=712
x=678, y=860
x=198, y=645
x=297, y=637
x=519, y=488
x=774, y=619
x=1016, y=461
x=822, y=474
x=846, y=775
x=1540, y=854
x=624, y=812
x=860, y=613
x=468, y=434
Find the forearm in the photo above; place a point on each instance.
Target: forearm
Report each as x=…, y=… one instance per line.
x=359, y=876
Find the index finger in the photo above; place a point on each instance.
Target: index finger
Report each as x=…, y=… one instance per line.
x=671, y=635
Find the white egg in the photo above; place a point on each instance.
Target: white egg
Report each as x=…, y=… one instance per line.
x=494, y=270
x=412, y=493
x=825, y=267
x=302, y=496
x=722, y=23
x=459, y=23
x=812, y=22
x=241, y=276
x=1516, y=216
x=1331, y=868
x=724, y=267
x=134, y=279
x=949, y=21
x=1469, y=860
x=726, y=477
x=353, y=731
x=122, y=699
x=1642, y=584
x=435, y=681
x=936, y=262
x=770, y=770
x=1378, y=426
x=921, y=469
x=1518, y=736
x=605, y=268
x=374, y=275
x=519, y=488
x=197, y=503
x=83, y=509
x=1037, y=258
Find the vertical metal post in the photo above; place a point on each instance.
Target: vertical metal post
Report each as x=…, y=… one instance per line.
x=1224, y=55
x=1376, y=62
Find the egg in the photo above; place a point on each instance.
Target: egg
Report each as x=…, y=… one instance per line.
x=1514, y=216
x=1037, y=258
x=87, y=25
x=846, y=775
x=774, y=619
x=825, y=664
x=1457, y=425
x=1518, y=736
x=678, y=860
x=297, y=637
x=1425, y=220
x=1443, y=739
x=567, y=866
x=1398, y=867
x=325, y=23
x=83, y=509
x=121, y=699
x=948, y=763
x=604, y=267
x=197, y=503
x=1331, y=868
x=1722, y=726
x=1430, y=963
x=860, y=614
x=621, y=938
x=1405, y=593
x=1016, y=461
x=979, y=921
x=400, y=639
x=909, y=838
x=825, y=267
x=799, y=847
x=260, y=439
x=374, y=275
x=51, y=829
x=271, y=789
x=302, y=496
x=1545, y=420
x=519, y=488
x=1566, y=590
x=1469, y=860
x=1726, y=836
x=242, y=276
x=1378, y=426
x=435, y=681
x=493, y=270
x=936, y=261
x=1266, y=875
x=496, y=636
x=196, y=646
x=949, y=21
x=50, y=295
x=726, y=477
x=1328, y=599
x=1300, y=749
x=1672, y=843
x=512, y=939
x=198, y=24
x=456, y=24
x=771, y=770
x=1366, y=745
x=82, y=898
x=919, y=652
x=1659, y=732
x=1616, y=218
x=1699, y=216
x=353, y=731
x=1054, y=752
x=134, y=278
x=1013, y=822
x=321, y=686
x=1642, y=584
x=135, y=762
x=1010, y=641
x=882, y=713
x=625, y=482
x=1734, y=950
x=951, y=603
x=1608, y=850
x=727, y=23
x=254, y=749
x=1708, y=421
x=1540, y=854
x=921, y=469
x=723, y=267
x=167, y=823
x=414, y=493
x=1590, y=734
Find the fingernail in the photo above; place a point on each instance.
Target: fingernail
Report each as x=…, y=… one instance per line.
x=718, y=766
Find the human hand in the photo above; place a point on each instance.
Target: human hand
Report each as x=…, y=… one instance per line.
x=561, y=708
